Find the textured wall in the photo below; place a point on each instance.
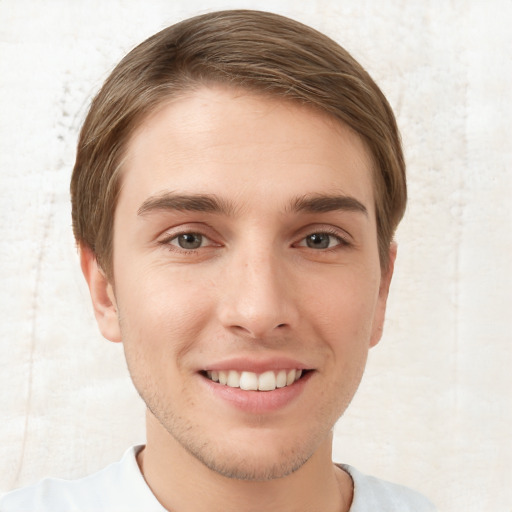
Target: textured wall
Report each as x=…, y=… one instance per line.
x=435, y=409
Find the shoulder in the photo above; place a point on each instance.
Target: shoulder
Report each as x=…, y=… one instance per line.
x=372, y=493
x=120, y=486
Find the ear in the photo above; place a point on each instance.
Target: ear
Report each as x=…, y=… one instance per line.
x=102, y=295
x=385, y=281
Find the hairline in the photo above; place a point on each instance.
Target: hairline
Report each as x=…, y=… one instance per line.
x=190, y=86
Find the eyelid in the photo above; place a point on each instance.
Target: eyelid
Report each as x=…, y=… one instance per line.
x=173, y=233
x=340, y=242
x=343, y=236
x=199, y=228
x=204, y=240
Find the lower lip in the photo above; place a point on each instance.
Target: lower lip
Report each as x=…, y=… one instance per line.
x=258, y=402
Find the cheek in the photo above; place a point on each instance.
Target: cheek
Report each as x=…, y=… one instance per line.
x=161, y=314
x=345, y=307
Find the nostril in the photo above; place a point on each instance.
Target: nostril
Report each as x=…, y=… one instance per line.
x=258, y=331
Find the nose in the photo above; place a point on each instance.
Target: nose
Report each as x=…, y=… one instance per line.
x=257, y=296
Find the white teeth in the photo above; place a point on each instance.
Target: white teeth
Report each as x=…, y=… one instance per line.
x=281, y=379
x=267, y=381
x=233, y=379
x=250, y=381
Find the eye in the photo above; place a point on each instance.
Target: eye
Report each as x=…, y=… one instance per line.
x=321, y=241
x=188, y=241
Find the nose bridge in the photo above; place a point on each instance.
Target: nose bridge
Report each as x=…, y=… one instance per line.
x=257, y=299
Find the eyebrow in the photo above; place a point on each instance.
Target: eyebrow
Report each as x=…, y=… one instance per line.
x=185, y=202
x=328, y=203
x=212, y=204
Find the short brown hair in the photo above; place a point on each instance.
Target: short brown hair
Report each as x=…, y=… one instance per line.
x=255, y=50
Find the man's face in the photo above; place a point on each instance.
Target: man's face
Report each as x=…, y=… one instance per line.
x=245, y=248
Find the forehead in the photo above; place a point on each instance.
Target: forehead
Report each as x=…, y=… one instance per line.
x=244, y=146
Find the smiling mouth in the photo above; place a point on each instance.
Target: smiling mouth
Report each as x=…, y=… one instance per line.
x=250, y=381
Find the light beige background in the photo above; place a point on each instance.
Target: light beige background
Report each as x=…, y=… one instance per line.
x=435, y=409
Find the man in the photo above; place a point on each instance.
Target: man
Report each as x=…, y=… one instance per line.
x=238, y=182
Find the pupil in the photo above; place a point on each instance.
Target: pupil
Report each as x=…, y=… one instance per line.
x=190, y=241
x=318, y=241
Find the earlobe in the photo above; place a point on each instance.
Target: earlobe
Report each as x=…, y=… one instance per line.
x=385, y=282
x=102, y=295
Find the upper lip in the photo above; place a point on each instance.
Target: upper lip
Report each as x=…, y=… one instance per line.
x=256, y=365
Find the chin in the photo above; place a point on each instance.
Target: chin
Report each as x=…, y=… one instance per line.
x=250, y=454
x=260, y=449
x=250, y=466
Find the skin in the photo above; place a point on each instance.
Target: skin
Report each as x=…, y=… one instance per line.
x=274, y=276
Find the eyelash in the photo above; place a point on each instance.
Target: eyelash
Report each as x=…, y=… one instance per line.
x=166, y=242
x=342, y=241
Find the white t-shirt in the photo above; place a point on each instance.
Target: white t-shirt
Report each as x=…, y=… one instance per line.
x=120, y=487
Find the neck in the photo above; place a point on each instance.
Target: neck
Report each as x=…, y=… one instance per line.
x=184, y=484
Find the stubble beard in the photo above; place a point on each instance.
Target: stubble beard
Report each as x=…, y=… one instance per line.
x=232, y=463
x=241, y=461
